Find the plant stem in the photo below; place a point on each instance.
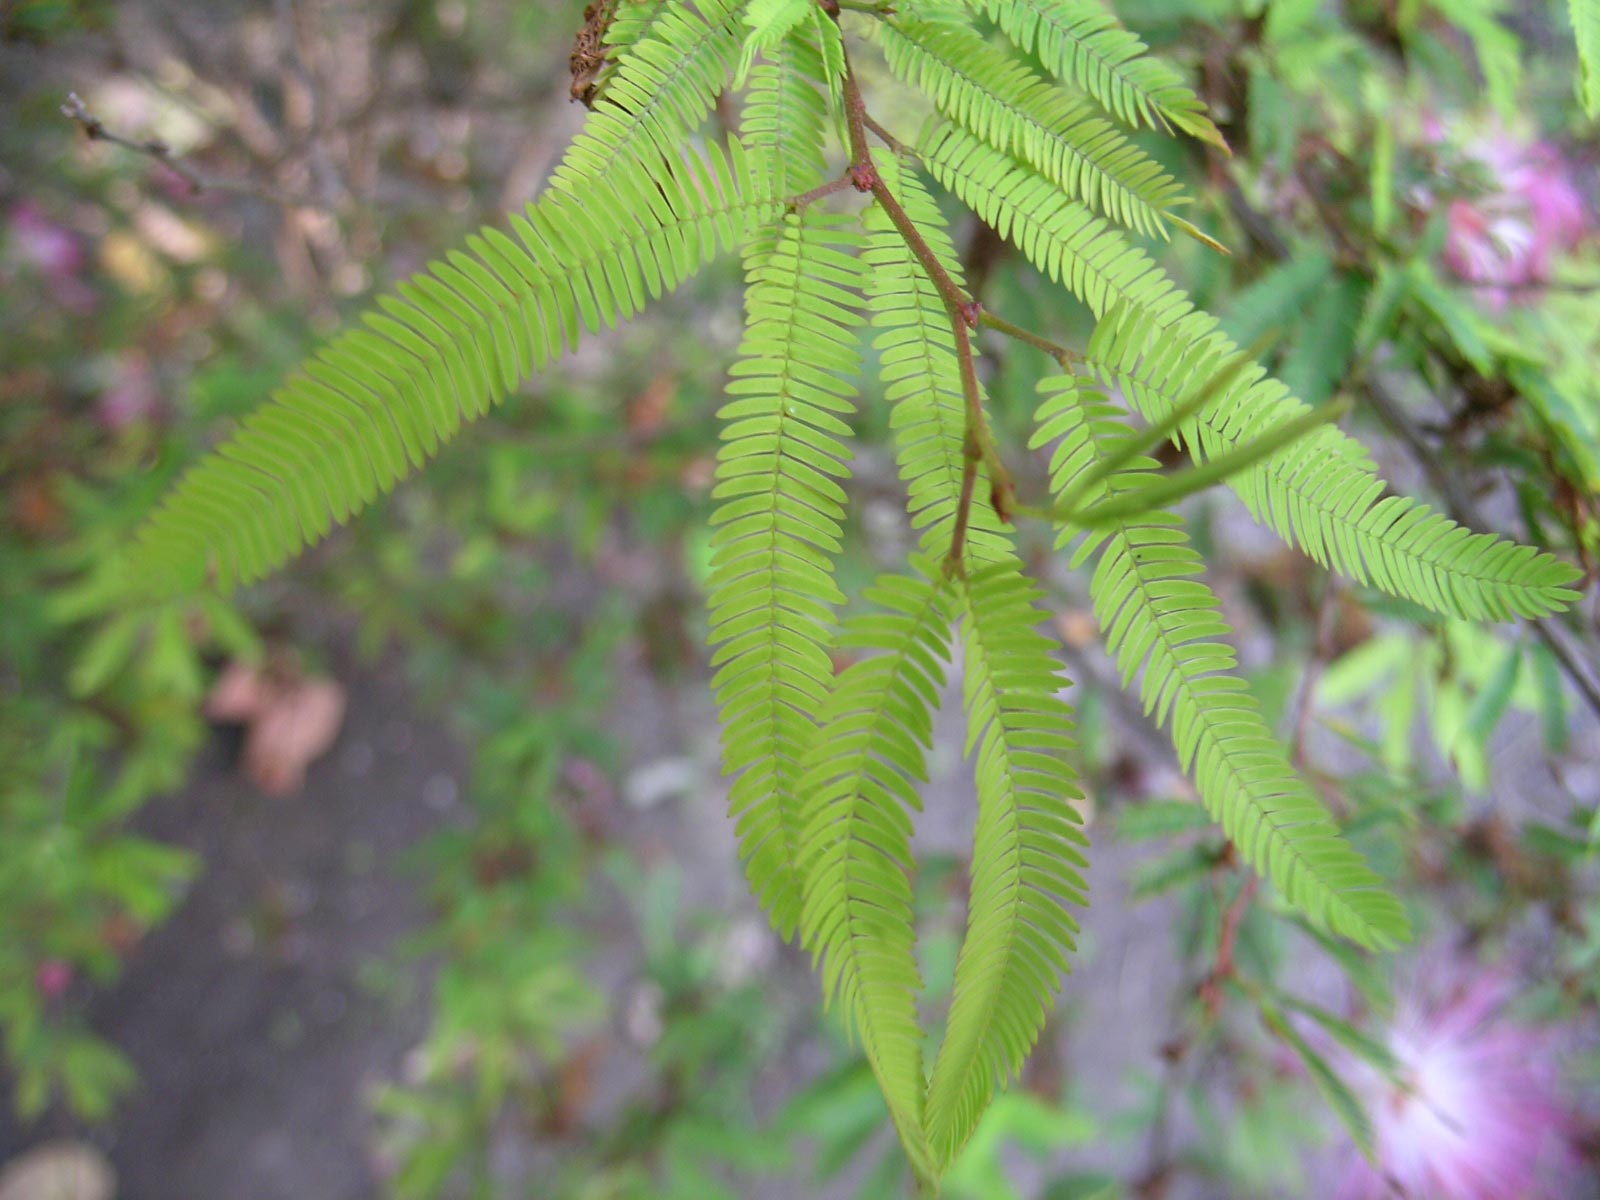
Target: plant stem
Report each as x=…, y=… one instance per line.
x=964, y=313
x=833, y=187
x=96, y=130
x=887, y=138
x=1058, y=352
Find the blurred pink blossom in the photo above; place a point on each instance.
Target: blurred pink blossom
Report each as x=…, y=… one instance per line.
x=53, y=978
x=132, y=395
x=1476, y=1111
x=52, y=250
x=41, y=243
x=1505, y=239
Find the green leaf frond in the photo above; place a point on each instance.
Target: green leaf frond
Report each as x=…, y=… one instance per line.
x=786, y=115
x=631, y=25
x=633, y=22
x=1586, y=26
x=769, y=22
x=777, y=528
x=662, y=89
x=1081, y=43
x=994, y=97
x=1159, y=618
x=1027, y=851
x=377, y=402
x=920, y=374
x=860, y=785
x=1321, y=492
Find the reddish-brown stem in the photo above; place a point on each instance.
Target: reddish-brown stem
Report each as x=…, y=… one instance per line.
x=955, y=560
x=887, y=138
x=1227, y=941
x=955, y=300
x=1058, y=352
x=832, y=188
x=965, y=314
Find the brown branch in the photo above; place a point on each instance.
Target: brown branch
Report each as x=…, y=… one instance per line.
x=895, y=144
x=805, y=199
x=1227, y=943
x=964, y=313
x=96, y=130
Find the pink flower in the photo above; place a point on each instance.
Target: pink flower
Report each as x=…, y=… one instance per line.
x=1505, y=239
x=51, y=250
x=53, y=978
x=42, y=244
x=132, y=395
x=1476, y=1110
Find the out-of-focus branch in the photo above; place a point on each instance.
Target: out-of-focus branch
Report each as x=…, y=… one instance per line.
x=96, y=130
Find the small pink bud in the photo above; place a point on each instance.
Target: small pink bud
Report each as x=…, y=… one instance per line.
x=53, y=978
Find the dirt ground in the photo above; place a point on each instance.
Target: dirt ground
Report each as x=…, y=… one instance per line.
x=260, y=1016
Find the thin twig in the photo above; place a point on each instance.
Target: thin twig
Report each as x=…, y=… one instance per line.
x=96, y=131
x=964, y=314
x=805, y=199
x=895, y=144
x=1227, y=942
x=1060, y=353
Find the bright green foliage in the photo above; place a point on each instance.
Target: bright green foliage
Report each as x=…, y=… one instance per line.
x=1586, y=25
x=1026, y=853
x=996, y=98
x=786, y=116
x=669, y=70
x=828, y=766
x=1322, y=492
x=920, y=374
x=773, y=22
x=777, y=529
x=1081, y=43
x=860, y=788
x=1160, y=618
x=377, y=402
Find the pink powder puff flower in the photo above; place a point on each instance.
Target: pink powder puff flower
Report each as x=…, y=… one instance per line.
x=1476, y=1111
x=1506, y=238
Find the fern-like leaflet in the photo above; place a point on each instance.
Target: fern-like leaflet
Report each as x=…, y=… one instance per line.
x=827, y=767
x=860, y=788
x=1323, y=492
x=777, y=530
x=378, y=401
x=991, y=94
x=1159, y=618
x=1026, y=855
x=1081, y=43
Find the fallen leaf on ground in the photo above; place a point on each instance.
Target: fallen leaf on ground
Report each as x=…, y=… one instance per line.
x=291, y=721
